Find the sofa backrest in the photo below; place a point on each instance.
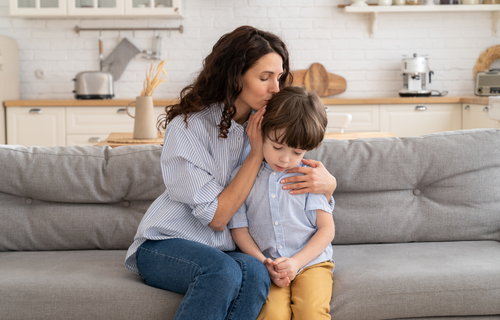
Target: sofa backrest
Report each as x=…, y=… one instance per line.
x=64, y=198
x=438, y=187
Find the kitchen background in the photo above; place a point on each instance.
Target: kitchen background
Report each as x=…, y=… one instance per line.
x=52, y=53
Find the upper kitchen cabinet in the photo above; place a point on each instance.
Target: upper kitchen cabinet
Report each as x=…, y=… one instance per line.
x=38, y=8
x=153, y=8
x=95, y=8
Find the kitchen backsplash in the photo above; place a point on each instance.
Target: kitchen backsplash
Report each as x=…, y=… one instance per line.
x=51, y=53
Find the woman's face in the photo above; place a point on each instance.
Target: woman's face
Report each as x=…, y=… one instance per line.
x=260, y=83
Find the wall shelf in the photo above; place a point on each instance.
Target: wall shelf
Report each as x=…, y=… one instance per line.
x=373, y=11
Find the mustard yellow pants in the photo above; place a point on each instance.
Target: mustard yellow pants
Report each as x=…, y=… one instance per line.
x=307, y=297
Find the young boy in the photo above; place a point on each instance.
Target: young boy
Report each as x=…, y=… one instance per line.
x=289, y=233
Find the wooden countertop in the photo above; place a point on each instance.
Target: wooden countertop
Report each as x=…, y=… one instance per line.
x=326, y=101
x=79, y=103
x=398, y=100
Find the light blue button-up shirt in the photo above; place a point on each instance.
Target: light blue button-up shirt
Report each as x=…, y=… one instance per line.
x=281, y=224
x=196, y=166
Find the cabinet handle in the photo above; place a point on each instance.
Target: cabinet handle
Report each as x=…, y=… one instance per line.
x=467, y=108
x=95, y=139
x=327, y=109
x=486, y=109
x=121, y=110
x=36, y=111
x=420, y=108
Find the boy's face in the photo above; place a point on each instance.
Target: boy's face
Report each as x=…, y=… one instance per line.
x=280, y=156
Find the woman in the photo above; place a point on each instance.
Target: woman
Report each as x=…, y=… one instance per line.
x=182, y=243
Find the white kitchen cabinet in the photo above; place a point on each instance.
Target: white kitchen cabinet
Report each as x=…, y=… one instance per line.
x=86, y=125
x=36, y=126
x=475, y=116
x=37, y=8
x=414, y=120
x=84, y=139
x=95, y=8
x=153, y=8
x=98, y=120
x=364, y=117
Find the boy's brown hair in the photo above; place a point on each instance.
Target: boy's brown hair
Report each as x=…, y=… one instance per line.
x=302, y=116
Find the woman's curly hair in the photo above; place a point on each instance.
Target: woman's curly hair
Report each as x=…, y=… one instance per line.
x=220, y=80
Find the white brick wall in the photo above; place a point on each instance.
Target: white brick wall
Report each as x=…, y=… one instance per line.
x=315, y=31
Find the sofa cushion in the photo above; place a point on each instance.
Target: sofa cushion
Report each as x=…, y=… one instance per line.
x=438, y=187
x=68, y=198
x=82, y=174
x=78, y=285
x=413, y=280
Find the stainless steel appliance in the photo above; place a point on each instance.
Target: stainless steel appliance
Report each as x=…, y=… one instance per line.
x=488, y=83
x=94, y=85
x=415, y=70
x=9, y=78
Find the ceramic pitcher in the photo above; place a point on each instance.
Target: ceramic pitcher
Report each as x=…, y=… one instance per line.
x=144, y=119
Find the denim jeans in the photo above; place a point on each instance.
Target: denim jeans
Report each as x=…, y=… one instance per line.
x=215, y=284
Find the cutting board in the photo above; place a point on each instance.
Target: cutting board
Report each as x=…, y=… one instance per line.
x=317, y=79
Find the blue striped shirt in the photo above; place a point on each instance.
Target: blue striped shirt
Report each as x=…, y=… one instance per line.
x=281, y=224
x=196, y=166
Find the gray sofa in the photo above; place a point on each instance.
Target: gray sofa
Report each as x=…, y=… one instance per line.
x=418, y=229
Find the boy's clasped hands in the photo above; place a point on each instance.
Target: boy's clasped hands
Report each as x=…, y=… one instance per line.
x=281, y=270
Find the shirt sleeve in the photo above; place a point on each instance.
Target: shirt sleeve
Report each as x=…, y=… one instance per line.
x=315, y=202
x=188, y=172
x=239, y=220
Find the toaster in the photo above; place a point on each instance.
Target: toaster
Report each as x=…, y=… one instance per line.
x=93, y=85
x=488, y=83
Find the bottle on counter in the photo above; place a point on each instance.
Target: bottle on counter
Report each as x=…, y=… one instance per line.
x=448, y=2
x=471, y=1
x=400, y=2
x=413, y=2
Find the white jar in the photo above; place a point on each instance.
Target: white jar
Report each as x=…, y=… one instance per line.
x=384, y=2
x=400, y=2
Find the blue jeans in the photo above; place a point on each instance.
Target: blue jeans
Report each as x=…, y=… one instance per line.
x=215, y=284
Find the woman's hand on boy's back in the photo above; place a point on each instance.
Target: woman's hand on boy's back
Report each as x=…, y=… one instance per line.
x=315, y=179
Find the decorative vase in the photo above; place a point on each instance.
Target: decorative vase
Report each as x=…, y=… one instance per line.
x=144, y=119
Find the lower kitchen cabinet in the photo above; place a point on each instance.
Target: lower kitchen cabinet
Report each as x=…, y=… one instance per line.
x=475, y=116
x=84, y=139
x=414, y=120
x=61, y=126
x=364, y=117
x=36, y=126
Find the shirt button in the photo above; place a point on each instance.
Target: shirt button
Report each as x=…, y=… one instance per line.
x=276, y=223
x=281, y=247
x=273, y=196
x=274, y=173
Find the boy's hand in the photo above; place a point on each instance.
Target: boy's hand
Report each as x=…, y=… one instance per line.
x=287, y=265
x=280, y=279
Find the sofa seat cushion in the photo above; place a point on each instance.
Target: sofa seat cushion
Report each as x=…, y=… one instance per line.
x=91, y=284
x=413, y=280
